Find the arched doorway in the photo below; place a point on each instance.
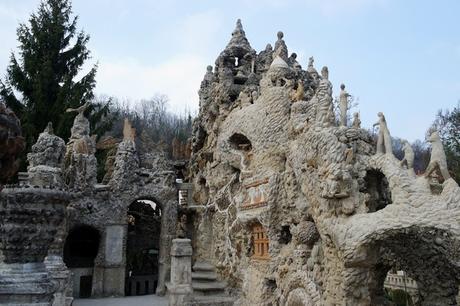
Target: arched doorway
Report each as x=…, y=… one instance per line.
x=426, y=256
x=143, y=247
x=80, y=250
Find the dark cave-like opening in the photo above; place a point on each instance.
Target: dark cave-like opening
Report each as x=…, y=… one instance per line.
x=376, y=185
x=81, y=247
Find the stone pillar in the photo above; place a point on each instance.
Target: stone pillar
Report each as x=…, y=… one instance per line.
x=180, y=288
x=57, y=269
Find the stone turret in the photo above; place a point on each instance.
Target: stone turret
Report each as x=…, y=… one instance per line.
x=47, y=159
x=80, y=160
x=126, y=160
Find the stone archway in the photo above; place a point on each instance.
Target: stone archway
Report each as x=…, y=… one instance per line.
x=143, y=247
x=80, y=251
x=167, y=204
x=428, y=255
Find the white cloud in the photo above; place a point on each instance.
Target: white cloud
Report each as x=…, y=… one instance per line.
x=179, y=78
x=197, y=32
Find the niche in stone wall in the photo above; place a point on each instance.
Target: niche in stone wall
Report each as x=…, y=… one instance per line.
x=240, y=142
x=81, y=247
x=80, y=251
x=376, y=186
x=260, y=242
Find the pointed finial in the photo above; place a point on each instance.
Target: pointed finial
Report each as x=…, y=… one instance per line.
x=325, y=73
x=239, y=28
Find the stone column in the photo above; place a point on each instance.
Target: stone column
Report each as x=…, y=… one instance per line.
x=57, y=269
x=180, y=288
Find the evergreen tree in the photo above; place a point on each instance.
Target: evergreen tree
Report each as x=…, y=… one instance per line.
x=41, y=83
x=448, y=123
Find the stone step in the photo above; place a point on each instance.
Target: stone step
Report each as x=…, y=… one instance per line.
x=212, y=300
x=208, y=287
x=207, y=276
x=203, y=266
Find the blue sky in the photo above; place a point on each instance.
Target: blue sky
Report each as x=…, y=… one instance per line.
x=399, y=57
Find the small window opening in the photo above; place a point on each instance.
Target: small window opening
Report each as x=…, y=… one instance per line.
x=261, y=242
x=240, y=142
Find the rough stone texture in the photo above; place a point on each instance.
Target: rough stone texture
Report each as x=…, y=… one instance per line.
x=46, y=160
x=80, y=161
x=11, y=142
x=30, y=219
x=337, y=215
x=135, y=176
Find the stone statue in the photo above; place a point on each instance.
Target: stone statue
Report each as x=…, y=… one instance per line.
x=313, y=74
x=208, y=77
x=384, y=139
x=343, y=105
x=356, y=121
x=182, y=227
x=438, y=160
x=311, y=60
x=80, y=110
x=325, y=114
x=80, y=126
x=408, y=160
x=280, y=47
x=292, y=61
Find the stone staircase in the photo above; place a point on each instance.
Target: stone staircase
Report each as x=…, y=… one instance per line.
x=207, y=289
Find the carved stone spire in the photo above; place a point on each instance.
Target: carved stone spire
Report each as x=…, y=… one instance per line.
x=239, y=39
x=281, y=49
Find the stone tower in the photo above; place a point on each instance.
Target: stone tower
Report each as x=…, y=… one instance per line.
x=297, y=211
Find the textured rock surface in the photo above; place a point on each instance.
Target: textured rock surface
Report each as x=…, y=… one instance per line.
x=337, y=215
x=46, y=160
x=11, y=142
x=80, y=161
